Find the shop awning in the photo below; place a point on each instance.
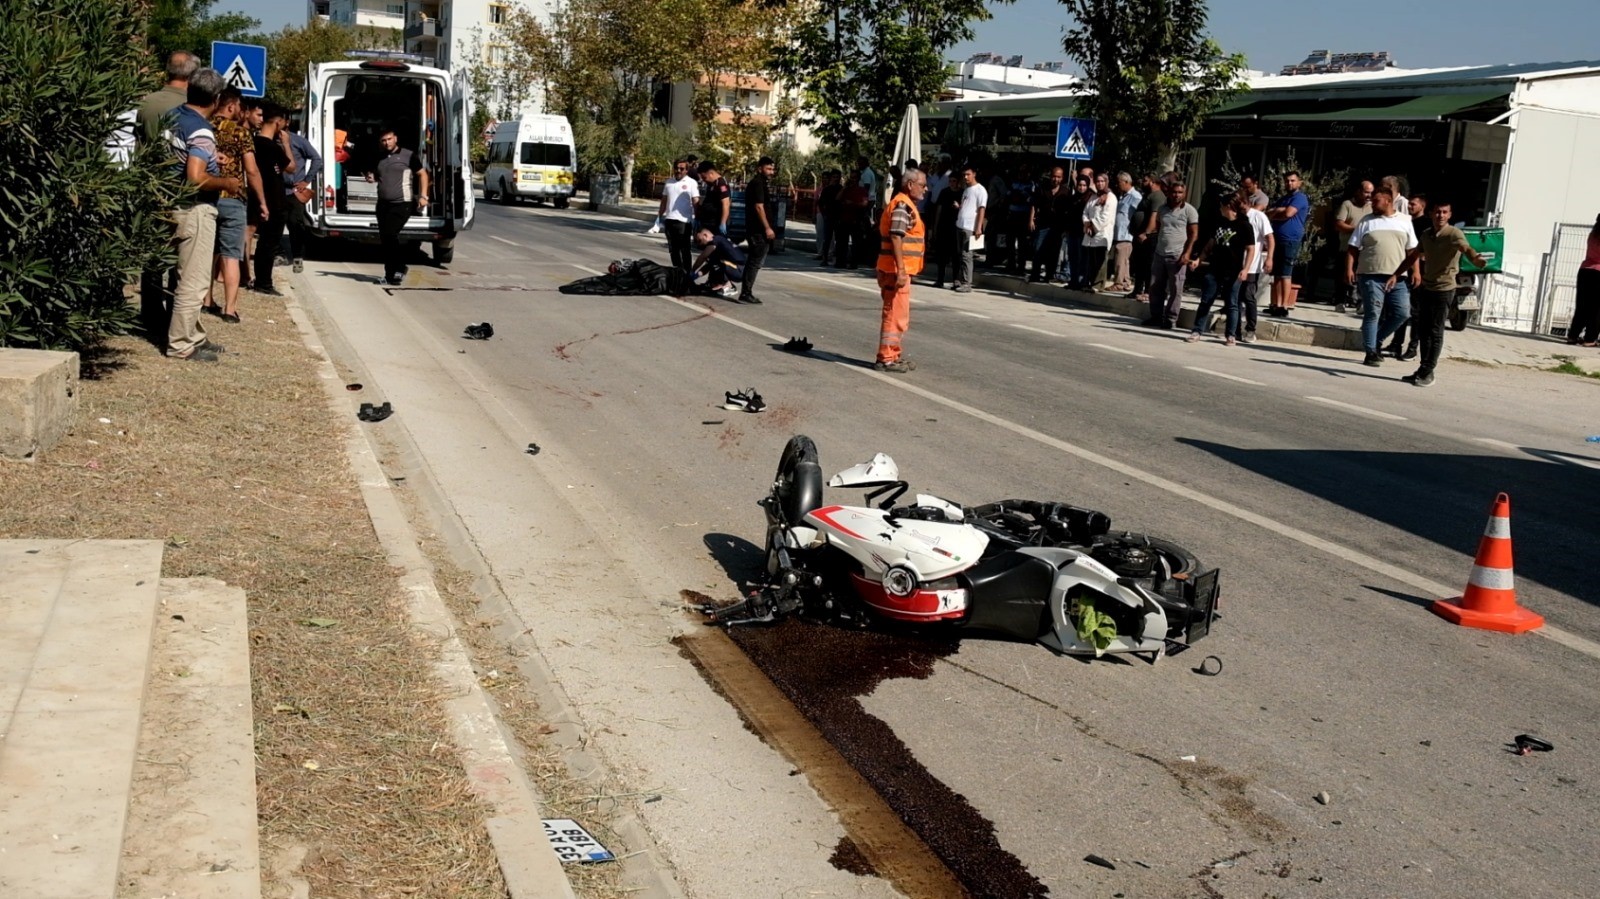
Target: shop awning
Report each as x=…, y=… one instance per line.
x=1431, y=108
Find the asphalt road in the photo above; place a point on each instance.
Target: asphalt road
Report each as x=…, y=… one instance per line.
x=1336, y=500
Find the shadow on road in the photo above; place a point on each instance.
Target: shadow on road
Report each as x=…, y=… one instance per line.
x=1445, y=499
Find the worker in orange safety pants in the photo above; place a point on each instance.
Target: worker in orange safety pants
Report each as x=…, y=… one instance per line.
x=900, y=256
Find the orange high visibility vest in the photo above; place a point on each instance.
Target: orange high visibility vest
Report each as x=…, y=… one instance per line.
x=910, y=246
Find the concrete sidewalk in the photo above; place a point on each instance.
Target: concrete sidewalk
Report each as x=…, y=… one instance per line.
x=1312, y=324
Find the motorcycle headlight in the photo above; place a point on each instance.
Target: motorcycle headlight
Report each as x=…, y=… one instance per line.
x=899, y=581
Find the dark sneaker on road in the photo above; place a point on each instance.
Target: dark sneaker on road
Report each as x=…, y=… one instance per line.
x=1373, y=359
x=1249, y=337
x=900, y=366
x=299, y=266
x=1424, y=380
x=269, y=291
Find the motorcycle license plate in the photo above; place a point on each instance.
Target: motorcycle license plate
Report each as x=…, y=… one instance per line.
x=952, y=600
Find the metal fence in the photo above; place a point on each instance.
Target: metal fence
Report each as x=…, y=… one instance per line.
x=1558, y=285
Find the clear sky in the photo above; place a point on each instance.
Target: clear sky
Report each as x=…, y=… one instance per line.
x=1274, y=33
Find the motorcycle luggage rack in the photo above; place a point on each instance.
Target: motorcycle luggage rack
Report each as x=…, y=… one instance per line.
x=1200, y=593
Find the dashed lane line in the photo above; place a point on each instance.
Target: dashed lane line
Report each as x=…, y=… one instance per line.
x=974, y=314
x=1359, y=410
x=1117, y=349
x=1036, y=330
x=1218, y=374
x=503, y=240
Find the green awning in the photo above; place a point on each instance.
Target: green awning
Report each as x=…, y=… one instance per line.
x=1430, y=108
x=1031, y=110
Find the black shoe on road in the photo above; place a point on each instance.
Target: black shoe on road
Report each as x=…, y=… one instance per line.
x=1373, y=359
x=750, y=299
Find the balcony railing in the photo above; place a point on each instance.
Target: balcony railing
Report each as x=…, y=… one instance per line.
x=422, y=28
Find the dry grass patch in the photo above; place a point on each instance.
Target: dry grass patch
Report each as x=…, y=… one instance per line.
x=237, y=467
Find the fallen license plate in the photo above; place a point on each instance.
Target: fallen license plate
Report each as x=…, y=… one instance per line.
x=574, y=844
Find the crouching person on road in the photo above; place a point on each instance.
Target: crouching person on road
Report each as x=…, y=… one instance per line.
x=900, y=257
x=722, y=262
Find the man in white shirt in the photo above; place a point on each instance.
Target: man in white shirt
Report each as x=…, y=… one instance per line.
x=677, y=213
x=1377, y=258
x=969, y=225
x=1099, y=226
x=1260, y=269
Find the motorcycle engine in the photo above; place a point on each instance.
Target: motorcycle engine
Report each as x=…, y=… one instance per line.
x=1126, y=559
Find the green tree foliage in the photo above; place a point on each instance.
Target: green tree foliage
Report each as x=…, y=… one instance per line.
x=189, y=25
x=859, y=63
x=599, y=62
x=75, y=227
x=1153, y=73
x=291, y=49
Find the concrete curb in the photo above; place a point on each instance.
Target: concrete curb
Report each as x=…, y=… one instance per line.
x=529, y=865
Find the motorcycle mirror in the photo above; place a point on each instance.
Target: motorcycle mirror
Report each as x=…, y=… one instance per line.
x=879, y=471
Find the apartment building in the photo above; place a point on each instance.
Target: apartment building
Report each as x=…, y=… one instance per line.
x=371, y=13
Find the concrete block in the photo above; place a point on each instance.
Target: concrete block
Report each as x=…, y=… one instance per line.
x=38, y=400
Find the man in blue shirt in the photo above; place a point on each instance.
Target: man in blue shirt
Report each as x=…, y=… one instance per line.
x=307, y=166
x=1288, y=217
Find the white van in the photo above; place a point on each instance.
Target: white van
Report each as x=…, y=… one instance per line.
x=430, y=112
x=532, y=157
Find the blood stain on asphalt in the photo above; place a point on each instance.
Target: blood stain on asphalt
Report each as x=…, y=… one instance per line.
x=823, y=670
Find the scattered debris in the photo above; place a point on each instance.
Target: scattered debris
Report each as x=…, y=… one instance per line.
x=716, y=422
x=319, y=622
x=1224, y=863
x=798, y=345
x=574, y=844
x=356, y=386
x=105, y=421
x=370, y=412
x=310, y=765
x=175, y=617
x=1592, y=439
x=1210, y=666
x=1323, y=798
x=1425, y=743
x=1186, y=758
x=1527, y=744
x=479, y=331
x=746, y=400
x=1093, y=859
x=533, y=449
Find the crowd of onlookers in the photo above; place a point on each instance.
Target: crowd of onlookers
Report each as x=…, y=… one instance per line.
x=241, y=177
x=1147, y=237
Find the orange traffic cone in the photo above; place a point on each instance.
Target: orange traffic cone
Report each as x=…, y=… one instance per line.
x=1490, y=600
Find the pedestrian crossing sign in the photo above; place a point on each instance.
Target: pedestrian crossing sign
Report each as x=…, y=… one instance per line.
x=243, y=66
x=1074, y=138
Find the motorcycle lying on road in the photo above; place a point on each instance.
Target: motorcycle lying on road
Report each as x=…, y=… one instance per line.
x=1024, y=569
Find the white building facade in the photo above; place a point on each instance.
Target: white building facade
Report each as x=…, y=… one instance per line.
x=459, y=34
x=370, y=13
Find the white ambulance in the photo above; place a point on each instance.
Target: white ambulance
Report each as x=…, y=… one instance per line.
x=430, y=111
x=532, y=157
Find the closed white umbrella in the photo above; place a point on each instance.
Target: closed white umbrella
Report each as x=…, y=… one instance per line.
x=908, y=144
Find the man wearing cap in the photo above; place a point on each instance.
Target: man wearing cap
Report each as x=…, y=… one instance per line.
x=759, y=214
x=900, y=257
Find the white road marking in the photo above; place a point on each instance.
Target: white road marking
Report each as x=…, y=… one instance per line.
x=1359, y=410
x=503, y=240
x=1553, y=458
x=1117, y=349
x=1338, y=550
x=836, y=283
x=973, y=314
x=1037, y=330
x=1218, y=374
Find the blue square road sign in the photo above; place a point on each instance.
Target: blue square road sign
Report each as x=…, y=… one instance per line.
x=1074, y=138
x=243, y=66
